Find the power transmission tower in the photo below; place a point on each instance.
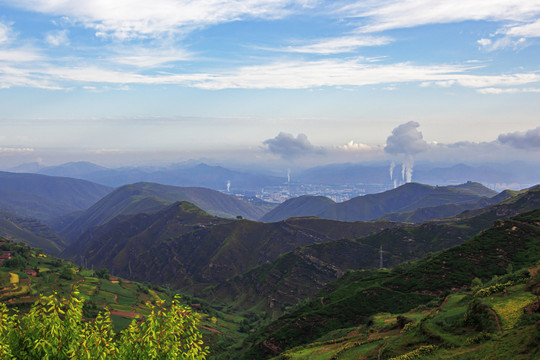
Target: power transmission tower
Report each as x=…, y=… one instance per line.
x=380, y=259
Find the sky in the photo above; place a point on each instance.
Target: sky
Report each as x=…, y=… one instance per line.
x=282, y=82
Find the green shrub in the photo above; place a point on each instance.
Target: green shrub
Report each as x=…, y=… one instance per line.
x=54, y=329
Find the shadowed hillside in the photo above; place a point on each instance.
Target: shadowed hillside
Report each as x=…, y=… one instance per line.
x=149, y=197
x=405, y=198
x=46, y=197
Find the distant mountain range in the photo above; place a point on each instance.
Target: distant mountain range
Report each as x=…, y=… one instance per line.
x=408, y=197
x=45, y=197
x=200, y=175
x=216, y=177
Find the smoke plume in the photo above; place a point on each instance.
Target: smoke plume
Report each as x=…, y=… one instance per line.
x=406, y=141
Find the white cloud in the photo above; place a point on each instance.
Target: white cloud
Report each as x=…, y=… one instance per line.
x=502, y=43
x=277, y=75
x=357, y=147
x=149, y=57
x=57, y=38
x=338, y=45
x=508, y=90
x=527, y=30
x=4, y=33
x=126, y=19
x=287, y=146
x=522, y=140
x=395, y=14
x=20, y=55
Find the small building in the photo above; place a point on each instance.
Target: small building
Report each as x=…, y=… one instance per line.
x=114, y=279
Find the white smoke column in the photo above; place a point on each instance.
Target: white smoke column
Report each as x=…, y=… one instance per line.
x=228, y=185
x=406, y=140
x=288, y=175
x=409, y=163
x=392, y=166
x=395, y=183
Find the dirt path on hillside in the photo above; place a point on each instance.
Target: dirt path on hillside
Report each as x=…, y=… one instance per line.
x=128, y=314
x=496, y=319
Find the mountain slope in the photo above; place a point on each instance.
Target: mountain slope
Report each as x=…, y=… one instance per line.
x=296, y=207
x=149, y=197
x=46, y=197
x=446, y=210
x=405, y=198
x=302, y=272
x=29, y=231
x=358, y=295
x=212, y=252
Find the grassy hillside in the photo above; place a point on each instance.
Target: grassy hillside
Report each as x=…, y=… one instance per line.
x=299, y=274
x=165, y=248
x=356, y=296
x=46, y=197
x=30, y=231
x=464, y=326
x=20, y=288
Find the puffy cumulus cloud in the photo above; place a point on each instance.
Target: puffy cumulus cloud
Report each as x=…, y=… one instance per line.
x=57, y=38
x=406, y=139
x=287, y=146
x=522, y=140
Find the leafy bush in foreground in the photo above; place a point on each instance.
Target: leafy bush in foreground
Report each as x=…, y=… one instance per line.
x=55, y=329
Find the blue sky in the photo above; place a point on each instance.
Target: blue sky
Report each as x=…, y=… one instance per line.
x=134, y=81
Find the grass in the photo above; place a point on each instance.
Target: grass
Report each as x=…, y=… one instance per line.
x=13, y=278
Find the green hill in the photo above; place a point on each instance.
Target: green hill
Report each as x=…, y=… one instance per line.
x=46, y=197
x=167, y=248
x=299, y=274
x=355, y=297
x=30, y=273
x=149, y=197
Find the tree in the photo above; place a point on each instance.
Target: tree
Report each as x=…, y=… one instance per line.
x=54, y=329
x=103, y=273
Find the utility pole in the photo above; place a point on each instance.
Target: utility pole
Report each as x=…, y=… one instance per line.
x=380, y=259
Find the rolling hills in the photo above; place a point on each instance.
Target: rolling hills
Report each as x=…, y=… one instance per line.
x=149, y=197
x=215, y=250
x=300, y=273
x=351, y=300
x=47, y=197
x=405, y=198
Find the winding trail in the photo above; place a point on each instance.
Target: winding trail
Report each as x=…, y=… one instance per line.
x=496, y=319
